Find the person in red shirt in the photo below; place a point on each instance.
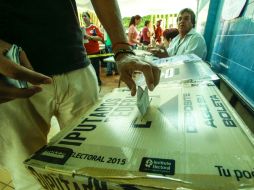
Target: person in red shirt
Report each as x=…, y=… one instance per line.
x=93, y=35
x=146, y=33
x=158, y=31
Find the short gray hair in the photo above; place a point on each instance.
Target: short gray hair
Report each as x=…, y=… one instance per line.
x=193, y=16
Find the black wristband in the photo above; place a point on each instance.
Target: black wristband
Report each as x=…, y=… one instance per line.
x=121, y=51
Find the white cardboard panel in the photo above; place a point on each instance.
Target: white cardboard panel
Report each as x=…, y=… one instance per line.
x=190, y=137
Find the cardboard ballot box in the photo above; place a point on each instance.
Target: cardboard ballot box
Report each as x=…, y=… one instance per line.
x=190, y=138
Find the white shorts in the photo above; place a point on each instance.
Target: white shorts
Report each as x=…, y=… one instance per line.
x=25, y=123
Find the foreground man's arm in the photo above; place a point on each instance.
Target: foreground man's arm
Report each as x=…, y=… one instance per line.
x=110, y=17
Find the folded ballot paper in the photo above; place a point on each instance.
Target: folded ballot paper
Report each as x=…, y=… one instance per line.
x=142, y=100
x=13, y=54
x=189, y=138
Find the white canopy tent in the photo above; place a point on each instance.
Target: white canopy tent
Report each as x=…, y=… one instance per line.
x=145, y=7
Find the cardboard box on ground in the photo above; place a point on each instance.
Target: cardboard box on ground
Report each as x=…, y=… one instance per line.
x=190, y=137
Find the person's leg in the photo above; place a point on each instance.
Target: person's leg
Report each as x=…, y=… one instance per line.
x=109, y=69
x=81, y=95
x=96, y=65
x=108, y=49
x=115, y=68
x=23, y=130
x=25, y=123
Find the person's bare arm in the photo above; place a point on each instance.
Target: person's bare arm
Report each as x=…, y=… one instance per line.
x=111, y=20
x=148, y=34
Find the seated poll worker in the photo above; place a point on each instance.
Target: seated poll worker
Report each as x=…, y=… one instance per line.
x=50, y=36
x=188, y=40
